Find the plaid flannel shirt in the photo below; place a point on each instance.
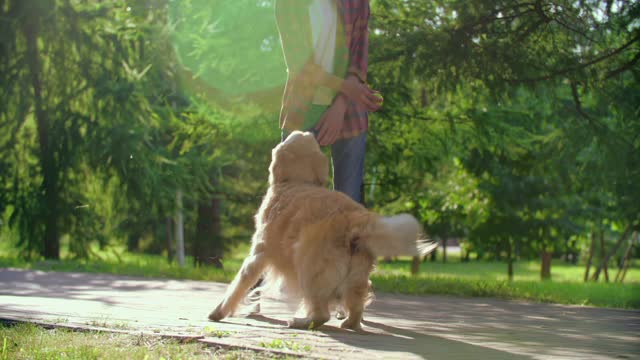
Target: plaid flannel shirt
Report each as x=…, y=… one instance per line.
x=305, y=76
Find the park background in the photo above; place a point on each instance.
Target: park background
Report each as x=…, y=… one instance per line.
x=509, y=128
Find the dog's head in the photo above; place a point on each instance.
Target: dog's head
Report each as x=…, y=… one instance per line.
x=298, y=160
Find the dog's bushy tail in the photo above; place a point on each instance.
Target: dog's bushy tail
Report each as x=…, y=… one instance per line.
x=399, y=235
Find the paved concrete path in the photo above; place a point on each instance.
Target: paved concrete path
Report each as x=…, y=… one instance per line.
x=400, y=327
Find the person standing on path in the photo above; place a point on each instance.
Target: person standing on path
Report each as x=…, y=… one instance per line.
x=325, y=46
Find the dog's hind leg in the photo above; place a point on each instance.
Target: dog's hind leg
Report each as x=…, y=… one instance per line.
x=357, y=290
x=354, y=300
x=251, y=270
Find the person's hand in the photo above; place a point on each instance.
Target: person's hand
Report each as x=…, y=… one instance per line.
x=361, y=93
x=331, y=122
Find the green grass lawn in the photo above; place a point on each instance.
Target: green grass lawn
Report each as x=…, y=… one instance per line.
x=27, y=341
x=489, y=279
x=475, y=278
x=523, y=270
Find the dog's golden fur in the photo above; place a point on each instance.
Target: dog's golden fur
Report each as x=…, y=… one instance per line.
x=319, y=242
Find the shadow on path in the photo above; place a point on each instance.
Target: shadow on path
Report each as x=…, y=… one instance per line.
x=399, y=325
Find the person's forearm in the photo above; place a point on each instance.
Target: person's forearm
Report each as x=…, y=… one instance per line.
x=340, y=100
x=329, y=80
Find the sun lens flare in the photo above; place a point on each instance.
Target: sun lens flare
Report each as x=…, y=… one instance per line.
x=228, y=52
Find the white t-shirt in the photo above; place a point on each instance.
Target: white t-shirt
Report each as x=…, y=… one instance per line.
x=324, y=18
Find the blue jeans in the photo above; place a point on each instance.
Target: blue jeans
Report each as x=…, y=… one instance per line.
x=347, y=157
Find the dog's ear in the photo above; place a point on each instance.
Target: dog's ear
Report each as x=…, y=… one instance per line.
x=279, y=164
x=320, y=165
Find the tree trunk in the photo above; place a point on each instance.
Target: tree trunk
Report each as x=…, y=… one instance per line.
x=415, y=265
x=603, y=255
x=545, y=269
x=622, y=272
x=47, y=158
x=590, y=256
x=169, y=231
x=423, y=98
x=509, y=261
x=605, y=260
x=208, y=247
x=133, y=241
x=444, y=249
x=179, y=229
x=465, y=256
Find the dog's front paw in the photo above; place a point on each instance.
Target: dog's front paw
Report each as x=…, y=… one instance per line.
x=306, y=323
x=352, y=324
x=217, y=314
x=301, y=323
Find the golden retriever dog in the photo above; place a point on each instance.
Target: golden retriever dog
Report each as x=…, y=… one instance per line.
x=320, y=244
